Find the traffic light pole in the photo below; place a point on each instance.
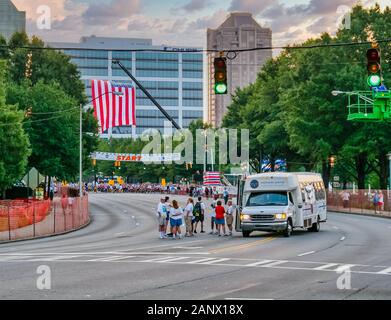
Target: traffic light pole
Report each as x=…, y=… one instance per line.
x=147, y=94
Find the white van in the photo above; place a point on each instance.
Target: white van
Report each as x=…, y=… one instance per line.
x=281, y=202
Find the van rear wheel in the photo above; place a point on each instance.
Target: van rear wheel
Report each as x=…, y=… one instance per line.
x=246, y=234
x=315, y=227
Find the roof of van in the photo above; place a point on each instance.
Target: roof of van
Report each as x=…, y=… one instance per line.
x=283, y=174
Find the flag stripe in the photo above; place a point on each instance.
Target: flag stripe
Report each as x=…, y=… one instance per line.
x=134, y=106
x=101, y=103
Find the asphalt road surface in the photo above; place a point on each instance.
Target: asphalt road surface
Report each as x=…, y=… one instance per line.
x=119, y=256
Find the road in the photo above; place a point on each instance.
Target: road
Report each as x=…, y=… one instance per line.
x=119, y=256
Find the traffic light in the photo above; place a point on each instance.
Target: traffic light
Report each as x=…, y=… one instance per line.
x=117, y=164
x=332, y=161
x=221, y=80
x=374, y=67
x=94, y=162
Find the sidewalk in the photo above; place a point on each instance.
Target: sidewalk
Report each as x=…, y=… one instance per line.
x=364, y=212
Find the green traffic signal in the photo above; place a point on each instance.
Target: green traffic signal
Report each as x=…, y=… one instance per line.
x=374, y=80
x=221, y=88
x=221, y=84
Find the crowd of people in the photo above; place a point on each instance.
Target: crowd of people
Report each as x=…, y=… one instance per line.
x=376, y=198
x=171, y=217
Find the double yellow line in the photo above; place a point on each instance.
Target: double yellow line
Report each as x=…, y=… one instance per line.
x=243, y=246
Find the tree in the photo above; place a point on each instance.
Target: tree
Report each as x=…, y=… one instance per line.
x=14, y=143
x=53, y=127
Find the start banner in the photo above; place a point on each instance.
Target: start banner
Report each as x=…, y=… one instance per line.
x=123, y=157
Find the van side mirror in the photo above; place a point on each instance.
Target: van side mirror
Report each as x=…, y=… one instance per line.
x=300, y=206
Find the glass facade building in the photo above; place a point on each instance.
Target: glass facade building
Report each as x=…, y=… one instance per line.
x=175, y=78
x=11, y=19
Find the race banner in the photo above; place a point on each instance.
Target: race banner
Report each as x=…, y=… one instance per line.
x=125, y=157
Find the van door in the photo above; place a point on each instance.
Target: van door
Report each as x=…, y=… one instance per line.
x=239, y=206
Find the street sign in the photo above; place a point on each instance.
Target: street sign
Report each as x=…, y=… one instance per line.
x=336, y=178
x=123, y=157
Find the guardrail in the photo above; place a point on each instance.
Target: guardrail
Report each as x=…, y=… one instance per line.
x=360, y=202
x=33, y=219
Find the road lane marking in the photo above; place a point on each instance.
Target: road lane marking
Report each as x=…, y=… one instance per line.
x=216, y=261
x=243, y=246
x=249, y=299
x=188, y=248
x=336, y=228
x=158, y=259
x=259, y=263
x=274, y=264
x=173, y=259
x=326, y=266
x=344, y=267
x=306, y=254
x=385, y=271
x=201, y=260
x=103, y=259
x=113, y=259
x=343, y=239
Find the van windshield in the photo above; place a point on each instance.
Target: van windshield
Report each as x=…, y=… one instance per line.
x=262, y=199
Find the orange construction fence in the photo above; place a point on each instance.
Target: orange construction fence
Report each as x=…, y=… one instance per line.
x=21, y=219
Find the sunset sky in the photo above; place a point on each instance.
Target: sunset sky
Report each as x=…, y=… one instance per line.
x=182, y=22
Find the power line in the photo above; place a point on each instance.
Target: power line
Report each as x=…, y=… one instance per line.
x=168, y=50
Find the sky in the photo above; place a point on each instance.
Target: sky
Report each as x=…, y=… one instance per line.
x=183, y=22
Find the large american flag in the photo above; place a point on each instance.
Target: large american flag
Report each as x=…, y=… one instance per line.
x=113, y=110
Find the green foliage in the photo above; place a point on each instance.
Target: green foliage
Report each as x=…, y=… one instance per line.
x=291, y=113
x=14, y=143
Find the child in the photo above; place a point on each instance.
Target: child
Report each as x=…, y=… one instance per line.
x=161, y=216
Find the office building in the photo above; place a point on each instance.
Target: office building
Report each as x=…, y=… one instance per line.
x=174, y=76
x=11, y=19
x=239, y=31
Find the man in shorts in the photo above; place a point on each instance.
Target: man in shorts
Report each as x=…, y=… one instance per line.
x=199, y=213
x=161, y=216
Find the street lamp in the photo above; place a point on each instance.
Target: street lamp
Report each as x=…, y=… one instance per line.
x=87, y=106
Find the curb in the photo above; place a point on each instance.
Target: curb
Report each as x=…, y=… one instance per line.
x=49, y=235
x=360, y=214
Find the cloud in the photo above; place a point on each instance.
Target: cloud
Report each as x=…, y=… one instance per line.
x=196, y=5
x=212, y=21
x=253, y=6
x=98, y=13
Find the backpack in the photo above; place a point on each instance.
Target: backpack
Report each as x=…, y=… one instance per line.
x=197, y=209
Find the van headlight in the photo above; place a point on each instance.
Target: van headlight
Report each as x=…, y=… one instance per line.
x=245, y=217
x=280, y=216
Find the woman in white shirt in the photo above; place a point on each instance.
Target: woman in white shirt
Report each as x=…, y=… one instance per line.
x=176, y=215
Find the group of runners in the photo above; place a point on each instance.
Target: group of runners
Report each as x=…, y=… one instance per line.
x=171, y=217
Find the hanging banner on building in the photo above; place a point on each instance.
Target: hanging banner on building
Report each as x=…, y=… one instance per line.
x=124, y=157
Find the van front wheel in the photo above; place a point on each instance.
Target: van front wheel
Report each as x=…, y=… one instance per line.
x=288, y=230
x=246, y=234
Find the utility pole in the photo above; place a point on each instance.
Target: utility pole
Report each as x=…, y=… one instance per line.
x=81, y=154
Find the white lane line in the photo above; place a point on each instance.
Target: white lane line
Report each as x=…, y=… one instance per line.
x=103, y=259
x=273, y=264
x=306, y=254
x=174, y=259
x=326, y=266
x=117, y=258
x=12, y=258
x=343, y=239
x=201, y=260
x=158, y=259
x=385, y=271
x=120, y=234
x=216, y=261
x=249, y=299
x=188, y=248
x=336, y=228
x=344, y=267
x=259, y=263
